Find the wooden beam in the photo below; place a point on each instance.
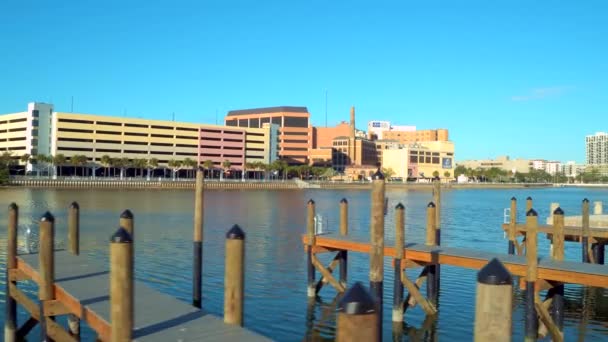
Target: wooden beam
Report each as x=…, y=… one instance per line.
x=330, y=278
x=57, y=332
x=16, y=274
x=55, y=308
x=330, y=269
x=545, y=317
x=26, y=328
x=409, y=300
x=415, y=292
x=28, y=304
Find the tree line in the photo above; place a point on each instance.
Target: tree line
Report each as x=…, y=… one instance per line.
x=497, y=175
x=82, y=166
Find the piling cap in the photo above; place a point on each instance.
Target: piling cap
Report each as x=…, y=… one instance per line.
x=47, y=217
x=494, y=273
x=121, y=236
x=356, y=301
x=558, y=211
x=311, y=201
x=12, y=206
x=343, y=200
x=378, y=175
x=529, y=198
x=431, y=205
x=585, y=201
x=74, y=205
x=235, y=233
x=127, y=214
x=399, y=206
x=513, y=198
x=532, y=212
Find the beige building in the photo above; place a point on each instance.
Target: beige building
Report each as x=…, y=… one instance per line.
x=408, y=136
x=421, y=160
x=501, y=162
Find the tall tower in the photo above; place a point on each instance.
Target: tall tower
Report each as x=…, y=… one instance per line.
x=352, y=149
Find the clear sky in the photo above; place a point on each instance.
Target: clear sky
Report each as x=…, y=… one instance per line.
x=522, y=78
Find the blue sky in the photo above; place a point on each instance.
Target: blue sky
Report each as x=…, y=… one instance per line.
x=521, y=78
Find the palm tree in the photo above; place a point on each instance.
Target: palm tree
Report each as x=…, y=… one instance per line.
x=208, y=165
x=152, y=164
x=175, y=166
x=106, y=161
x=25, y=158
x=248, y=166
x=78, y=160
x=226, y=165
x=189, y=163
x=124, y=164
x=447, y=174
x=59, y=161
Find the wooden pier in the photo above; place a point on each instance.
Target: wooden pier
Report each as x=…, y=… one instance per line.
x=107, y=298
x=537, y=273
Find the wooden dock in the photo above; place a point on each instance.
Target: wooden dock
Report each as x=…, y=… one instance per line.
x=107, y=298
x=417, y=255
x=572, y=233
x=82, y=288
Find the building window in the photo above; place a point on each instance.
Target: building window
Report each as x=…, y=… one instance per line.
x=136, y=134
x=277, y=121
x=75, y=130
x=86, y=122
x=108, y=132
x=109, y=123
x=162, y=127
x=135, y=125
x=243, y=123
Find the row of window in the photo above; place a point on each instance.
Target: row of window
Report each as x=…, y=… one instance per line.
x=109, y=123
x=20, y=129
x=13, y=121
x=282, y=121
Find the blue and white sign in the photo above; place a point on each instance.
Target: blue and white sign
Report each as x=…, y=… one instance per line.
x=446, y=163
x=376, y=124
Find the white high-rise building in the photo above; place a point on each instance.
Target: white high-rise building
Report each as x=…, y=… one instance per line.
x=597, y=148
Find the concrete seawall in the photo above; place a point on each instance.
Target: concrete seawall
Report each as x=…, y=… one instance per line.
x=248, y=185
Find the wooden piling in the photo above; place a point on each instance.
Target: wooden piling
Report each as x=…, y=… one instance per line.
x=437, y=201
x=528, y=204
x=376, y=269
x=310, y=230
x=585, y=237
x=46, y=261
x=558, y=254
x=399, y=254
x=197, y=244
x=343, y=232
x=493, y=305
x=10, y=319
x=121, y=286
x=512, y=223
x=357, y=316
x=74, y=228
x=431, y=240
x=234, y=276
x=531, y=316
x=74, y=248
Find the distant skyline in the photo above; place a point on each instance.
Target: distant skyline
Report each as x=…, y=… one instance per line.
x=519, y=78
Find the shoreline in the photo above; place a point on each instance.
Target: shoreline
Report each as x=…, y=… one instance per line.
x=266, y=185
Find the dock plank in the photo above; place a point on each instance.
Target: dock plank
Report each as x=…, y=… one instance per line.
x=562, y=271
x=158, y=316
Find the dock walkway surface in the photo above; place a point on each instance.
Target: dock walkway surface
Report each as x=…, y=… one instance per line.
x=561, y=271
x=82, y=285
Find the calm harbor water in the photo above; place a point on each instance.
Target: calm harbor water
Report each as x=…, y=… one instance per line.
x=275, y=301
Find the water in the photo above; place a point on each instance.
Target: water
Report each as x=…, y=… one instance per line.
x=275, y=301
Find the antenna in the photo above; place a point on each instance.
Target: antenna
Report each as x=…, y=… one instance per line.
x=173, y=117
x=325, y=108
x=72, y=110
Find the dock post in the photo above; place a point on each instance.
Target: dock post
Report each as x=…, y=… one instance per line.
x=598, y=208
x=197, y=244
x=399, y=245
x=234, y=277
x=10, y=319
x=357, y=316
x=310, y=229
x=528, y=204
x=558, y=254
x=376, y=257
x=74, y=248
x=493, y=313
x=531, y=316
x=46, y=261
x=121, y=286
x=431, y=278
x=343, y=232
x=512, y=225
x=437, y=201
x=126, y=222
x=74, y=228
x=585, y=237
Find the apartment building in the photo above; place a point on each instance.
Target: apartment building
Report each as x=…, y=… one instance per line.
x=501, y=162
x=27, y=132
x=597, y=148
x=421, y=160
x=406, y=137
x=295, y=131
